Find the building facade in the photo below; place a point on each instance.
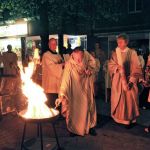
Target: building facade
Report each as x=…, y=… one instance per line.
x=133, y=19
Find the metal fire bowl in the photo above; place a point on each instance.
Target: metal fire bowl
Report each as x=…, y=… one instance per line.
x=33, y=120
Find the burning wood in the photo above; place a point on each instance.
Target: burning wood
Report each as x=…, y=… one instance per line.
x=37, y=109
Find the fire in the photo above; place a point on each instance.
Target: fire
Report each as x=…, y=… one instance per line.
x=37, y=109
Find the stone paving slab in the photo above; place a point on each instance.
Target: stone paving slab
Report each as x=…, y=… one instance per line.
x=110, y=135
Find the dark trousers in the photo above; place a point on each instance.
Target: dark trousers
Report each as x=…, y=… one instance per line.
x=143, y=98
x=51, y=98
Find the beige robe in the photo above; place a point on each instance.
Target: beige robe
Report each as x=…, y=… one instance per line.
x=9, y=85
x=52, y=70
x=141, y=60
x=124, y=104
x=147, y=74
x=78, y=88
x=1, y=59
x=10, y=63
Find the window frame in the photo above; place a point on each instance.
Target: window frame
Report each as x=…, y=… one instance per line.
x=135, y=7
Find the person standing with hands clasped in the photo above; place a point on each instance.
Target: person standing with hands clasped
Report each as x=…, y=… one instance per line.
x=125, y=71
x=52, y=69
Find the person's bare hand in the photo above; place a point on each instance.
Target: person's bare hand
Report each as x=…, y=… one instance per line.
x=130, y=85
x=58, y=102
x=88, y=72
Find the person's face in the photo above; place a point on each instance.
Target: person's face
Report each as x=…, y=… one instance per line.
x=122, y=44
x=52, y=45
x=78, y=56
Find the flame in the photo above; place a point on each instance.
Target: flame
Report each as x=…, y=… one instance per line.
x=37, y=109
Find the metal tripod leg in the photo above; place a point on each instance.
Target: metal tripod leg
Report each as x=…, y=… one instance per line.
x=23, y=136
x=59, y=148
x=41, y=135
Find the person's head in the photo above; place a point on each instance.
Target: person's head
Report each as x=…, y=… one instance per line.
x=52, y=44
x=78, y=54
x=97, y=45
x=9, y=47
x=122, y=40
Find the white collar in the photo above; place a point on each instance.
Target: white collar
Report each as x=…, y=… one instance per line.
x=125, y=50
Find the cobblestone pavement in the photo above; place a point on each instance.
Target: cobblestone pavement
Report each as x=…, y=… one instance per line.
x=110, y=135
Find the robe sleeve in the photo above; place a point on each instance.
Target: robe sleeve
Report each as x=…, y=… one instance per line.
x=113, y=65
x=15, y=59
x=65, y=91
x=65, y=87
x=56, y=69
x=91, y=62
x=136, y=70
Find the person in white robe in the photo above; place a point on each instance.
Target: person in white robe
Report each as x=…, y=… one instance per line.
x=77, y=93
x=125, y=71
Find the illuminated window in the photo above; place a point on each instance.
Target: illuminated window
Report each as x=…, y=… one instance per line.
x=13, y=30
x=134, y=6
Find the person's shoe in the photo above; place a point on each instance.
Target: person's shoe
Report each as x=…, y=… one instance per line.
x=130, y=126
x=144, y=107
x=147, y=130
x=92, y=132
x=61, y=117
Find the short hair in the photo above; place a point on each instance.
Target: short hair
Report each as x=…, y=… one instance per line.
x=78, y=48
x=51, y=39
x=123, y=36
x=9, y=46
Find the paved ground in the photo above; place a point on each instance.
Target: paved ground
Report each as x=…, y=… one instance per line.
x=110, y=135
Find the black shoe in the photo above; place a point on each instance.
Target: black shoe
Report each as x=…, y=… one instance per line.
x=61, y=117
x=147, y=130
x=92, y=132
x=127, y=126
x=130, y=126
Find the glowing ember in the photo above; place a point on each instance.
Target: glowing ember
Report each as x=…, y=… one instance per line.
x=37, y=109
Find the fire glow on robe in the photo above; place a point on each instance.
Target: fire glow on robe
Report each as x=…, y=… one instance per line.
x=37, y=109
